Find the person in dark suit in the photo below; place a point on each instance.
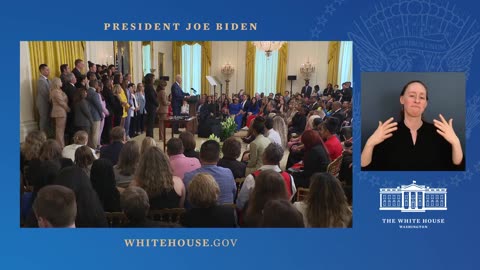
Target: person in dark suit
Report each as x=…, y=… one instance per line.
x=203, y=192
x=151, y=103
x=338, y=113
x=43, y=97
x=112, y=151
x=177, y=99
x=307, y=89
x=77, y=71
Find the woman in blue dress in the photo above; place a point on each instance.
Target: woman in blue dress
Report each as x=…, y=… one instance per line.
x=235, y=109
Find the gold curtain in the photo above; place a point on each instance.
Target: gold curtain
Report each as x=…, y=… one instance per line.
x=54, y=54
x=250, y=69
x=282, y=68
x=333, y=58
x=206, y=60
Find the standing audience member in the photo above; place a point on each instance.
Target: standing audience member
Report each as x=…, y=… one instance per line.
x=43, y=97
x=177, y=99
x=112, y=151
x=162, y=108
x=151, y=103
x=209, y=156
x=59, y=109
x=154, y=175
x=103, y=182
x=55, y=207
x=140, y=96
x=82, y=115
x=326, y=204
x=96, y=111
x=110, y=104
x=203, y=194
x=78, y=71
x=105, y=112
x=90, y=212
x=231, y=150
x=64, y=71
x=127, y=164
x=269, y=185
x=70, y=90
x=178, y=161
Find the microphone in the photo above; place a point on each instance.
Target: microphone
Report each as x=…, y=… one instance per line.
x=195, y=91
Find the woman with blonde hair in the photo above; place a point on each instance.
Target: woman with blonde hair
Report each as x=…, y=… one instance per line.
x=146, y=143
x=30, y=149
x=155, y=176
x=59, y=109
x=280, y=126
x=326, y=205
x=203, y=193
x=120, y=94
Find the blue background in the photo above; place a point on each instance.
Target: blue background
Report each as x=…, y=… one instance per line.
x=370, y=244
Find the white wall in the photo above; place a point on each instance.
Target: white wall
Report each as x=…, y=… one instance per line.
x=164, y=47
x=301, y=51
x=27, y=118
x=233, y=53
x=99, y=52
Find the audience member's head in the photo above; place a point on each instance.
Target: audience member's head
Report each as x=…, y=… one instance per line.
x=33, y=144
x=310, y=139
x=188, y=141
x=46, y=176
x=273, y=154
x=79, y=64
x=55, y=207
x=80, y=137
x=128, y=158
x=84, y=157
x=135, y=204
x=174, y=147
x=316, y=123
x=281, y=214
x=327, y=204
x=280, y=126
x=146, y=143
x=258, y=125
x=90, y=212
x=269, y=123
x=103, y=182
x=210, y=152
x=328, y=127
x=154, y=173
x=50, y=150
x=269, y=185
x=117, y=134
x=203, y=191
x=64, y=68
x=56, y=84
x=70, y=78
x=149, y=78
x=44, y=70
x=231, y=148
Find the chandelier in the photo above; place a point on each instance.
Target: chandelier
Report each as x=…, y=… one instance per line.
x=307, y=69
x=227, y=70
x=268, y=46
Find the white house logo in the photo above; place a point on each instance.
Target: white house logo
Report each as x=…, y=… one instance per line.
x=413, y=198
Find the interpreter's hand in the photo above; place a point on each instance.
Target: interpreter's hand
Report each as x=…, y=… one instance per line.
x=383, y=132
x=445, y=129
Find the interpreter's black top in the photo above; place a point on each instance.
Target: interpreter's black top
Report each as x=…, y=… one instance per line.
x=431, y=152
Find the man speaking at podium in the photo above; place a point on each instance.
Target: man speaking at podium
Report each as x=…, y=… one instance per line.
x=177, y=99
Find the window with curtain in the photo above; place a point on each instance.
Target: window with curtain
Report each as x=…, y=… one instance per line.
x=345, y=62
x=266, y=72
x=146, y=59
x=191, y=67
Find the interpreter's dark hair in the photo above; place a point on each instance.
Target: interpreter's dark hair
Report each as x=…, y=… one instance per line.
x=210, y=151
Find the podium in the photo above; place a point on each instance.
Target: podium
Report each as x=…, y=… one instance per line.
x=192, y=111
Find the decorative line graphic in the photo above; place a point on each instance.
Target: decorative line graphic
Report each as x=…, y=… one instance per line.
x=413, y=198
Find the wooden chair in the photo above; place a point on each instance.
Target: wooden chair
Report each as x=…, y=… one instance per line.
x=334, y=166
x=116, y=219
x=172, y=215
x=302, y=194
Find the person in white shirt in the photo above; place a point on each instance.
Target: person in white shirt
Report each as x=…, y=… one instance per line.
x=271, y=159
x=272, y=134
x=79, y=139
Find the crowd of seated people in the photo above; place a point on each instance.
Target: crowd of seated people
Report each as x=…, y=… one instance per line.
x=135, y=179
